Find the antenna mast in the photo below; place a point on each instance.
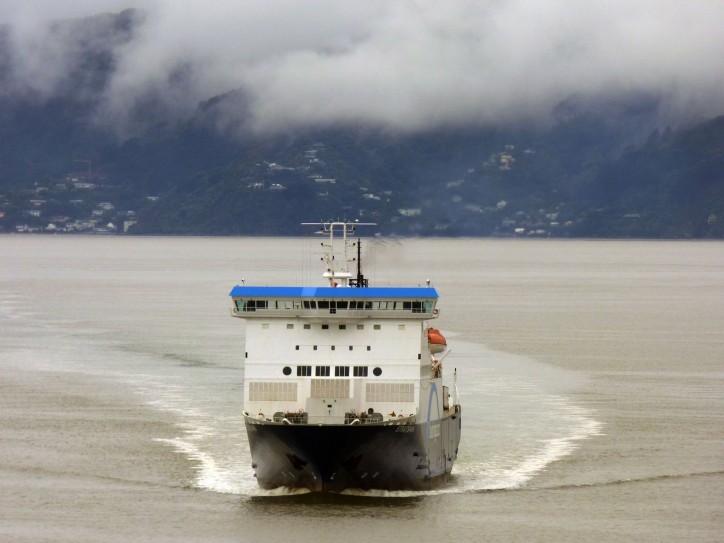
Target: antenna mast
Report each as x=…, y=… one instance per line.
x=360, y=281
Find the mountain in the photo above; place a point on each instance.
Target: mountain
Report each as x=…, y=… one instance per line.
x=597, y=168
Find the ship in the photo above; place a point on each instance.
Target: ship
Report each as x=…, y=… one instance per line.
x=343, y=382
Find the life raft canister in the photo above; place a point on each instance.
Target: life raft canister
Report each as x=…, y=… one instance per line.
x=436, y=340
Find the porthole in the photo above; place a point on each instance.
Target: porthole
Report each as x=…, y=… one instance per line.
x=287, y=370
x=377, y=372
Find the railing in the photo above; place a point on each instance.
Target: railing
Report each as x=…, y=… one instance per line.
x=350, y=419
x=333, y=306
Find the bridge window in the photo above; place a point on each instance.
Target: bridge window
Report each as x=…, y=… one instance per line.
x=253, y=305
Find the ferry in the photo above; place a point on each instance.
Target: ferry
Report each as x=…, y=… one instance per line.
x=343, y=382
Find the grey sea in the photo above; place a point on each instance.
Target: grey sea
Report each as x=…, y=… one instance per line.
x=591, y=375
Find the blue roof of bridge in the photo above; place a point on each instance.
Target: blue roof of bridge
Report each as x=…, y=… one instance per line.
x=332, y=292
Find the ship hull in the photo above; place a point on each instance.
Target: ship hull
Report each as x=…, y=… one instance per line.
x=333, y=458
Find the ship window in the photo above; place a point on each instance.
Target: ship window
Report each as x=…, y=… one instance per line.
x=321, y=371
x=314, y=347
x=342, y=326
x=287, y=370
x=342, y=305
x=265, y=326
x=369, y=348
x=304, y=371
x=359, y=371
x=377, y=327
x=325, y=327
x=415, y=307
x=307, y=326
x=428, y=307
x=360, y=327
x=323, y=304
x=401, y=326
x=377, y=371
x=288, y=304
x=333, y=347
x=368, y=305
x=290, y=327
x=341, y=371
x=351, y=348
x=297, y=347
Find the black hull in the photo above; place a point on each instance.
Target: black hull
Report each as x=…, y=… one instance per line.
x=333, y=458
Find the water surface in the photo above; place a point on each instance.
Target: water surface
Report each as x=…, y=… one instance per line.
x=590, y=374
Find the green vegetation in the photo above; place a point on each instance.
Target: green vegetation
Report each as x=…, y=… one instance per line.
x=575, y=179
x=599, y=169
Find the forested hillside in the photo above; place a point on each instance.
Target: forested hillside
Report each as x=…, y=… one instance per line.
x=596, y=168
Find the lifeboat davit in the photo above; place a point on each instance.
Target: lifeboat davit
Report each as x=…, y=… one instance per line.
x=436, y=340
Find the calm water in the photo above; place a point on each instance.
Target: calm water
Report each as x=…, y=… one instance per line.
x=591, y=375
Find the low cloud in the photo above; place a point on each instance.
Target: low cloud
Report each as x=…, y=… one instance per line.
x=395, y=65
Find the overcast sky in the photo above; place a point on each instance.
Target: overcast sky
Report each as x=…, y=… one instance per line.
x=397, y=64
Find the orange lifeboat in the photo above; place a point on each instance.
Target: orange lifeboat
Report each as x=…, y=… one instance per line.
x=436, y=340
